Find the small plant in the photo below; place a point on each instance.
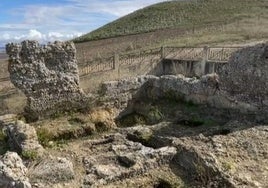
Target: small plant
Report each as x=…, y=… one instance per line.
x=131, y=120
x=29, y=154
x=154, y=116
x=228, y=166
x=2, y=136
x=3, y=143
x=76, y=121
x=200, y=172
x=44, y=136
x=58, y=144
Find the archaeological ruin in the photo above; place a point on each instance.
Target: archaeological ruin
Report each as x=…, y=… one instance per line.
x=47, y=75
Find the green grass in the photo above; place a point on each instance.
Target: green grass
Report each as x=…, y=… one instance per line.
x=3, y=142
x=44, y=136
x=183, y=15
x=30, y=154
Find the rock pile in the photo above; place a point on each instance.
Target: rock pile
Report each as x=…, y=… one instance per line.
x=47, y=75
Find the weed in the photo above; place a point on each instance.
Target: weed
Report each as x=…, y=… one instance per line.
x=101, y=127
x=2, y=136
x=3, y=143
x=30, y=154
x=76, y=121
x=131, y=120
x=44, y=136
x=228, y=166
x=154, y=116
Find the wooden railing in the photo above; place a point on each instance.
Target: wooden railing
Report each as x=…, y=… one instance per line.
x=214, y=54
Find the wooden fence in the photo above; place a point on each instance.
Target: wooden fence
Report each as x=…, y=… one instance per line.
x=118, y=60
x=214, y=54
x=121, y=61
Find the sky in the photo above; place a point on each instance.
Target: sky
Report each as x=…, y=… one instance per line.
x=50, y=20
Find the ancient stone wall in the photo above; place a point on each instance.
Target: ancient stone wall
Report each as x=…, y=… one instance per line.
x=245, y=77
x=241, y=86
x=47, y=75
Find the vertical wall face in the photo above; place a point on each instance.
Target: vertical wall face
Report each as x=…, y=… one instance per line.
x=246, y=75
x=47, y=75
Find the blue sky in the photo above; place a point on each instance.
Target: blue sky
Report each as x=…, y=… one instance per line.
x=48, y=20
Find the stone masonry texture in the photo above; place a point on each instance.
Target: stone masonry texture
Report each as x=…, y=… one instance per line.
x=47, y=75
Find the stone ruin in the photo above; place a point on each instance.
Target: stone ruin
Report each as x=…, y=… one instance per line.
x=47, y=75
x=246, y=76
x=242, y=86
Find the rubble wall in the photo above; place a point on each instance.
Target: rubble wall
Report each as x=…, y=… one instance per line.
x=47, y=75
x=245, y=77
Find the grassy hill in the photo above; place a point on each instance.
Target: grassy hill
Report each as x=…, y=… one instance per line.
x=183, y=15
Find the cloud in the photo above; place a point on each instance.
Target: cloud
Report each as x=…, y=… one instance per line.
x=34, y=34
x=117, y=8
x=63, y=21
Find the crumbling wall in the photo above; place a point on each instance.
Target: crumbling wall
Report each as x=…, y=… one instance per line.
x=47, y=75
x=241, y=86
x=245, y=77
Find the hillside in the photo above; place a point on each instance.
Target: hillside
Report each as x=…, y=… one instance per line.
x=183, y=15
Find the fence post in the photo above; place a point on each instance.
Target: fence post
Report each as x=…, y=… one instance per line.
x=205, y=53
x=163, y=52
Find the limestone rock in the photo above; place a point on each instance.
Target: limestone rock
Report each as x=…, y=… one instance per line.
x=47, y=75
x=4, y=119
x=122, y=159
x=52, y=170
x=13, y=172
x=119, y=93
x=235, y=159
x=205, y=91
x=23, y=138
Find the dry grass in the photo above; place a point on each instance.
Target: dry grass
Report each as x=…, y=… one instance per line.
x=210, y=22
x=243, y=31
x=13, y=104
x=103, y=118
x=3, y=68
x=240, y=32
